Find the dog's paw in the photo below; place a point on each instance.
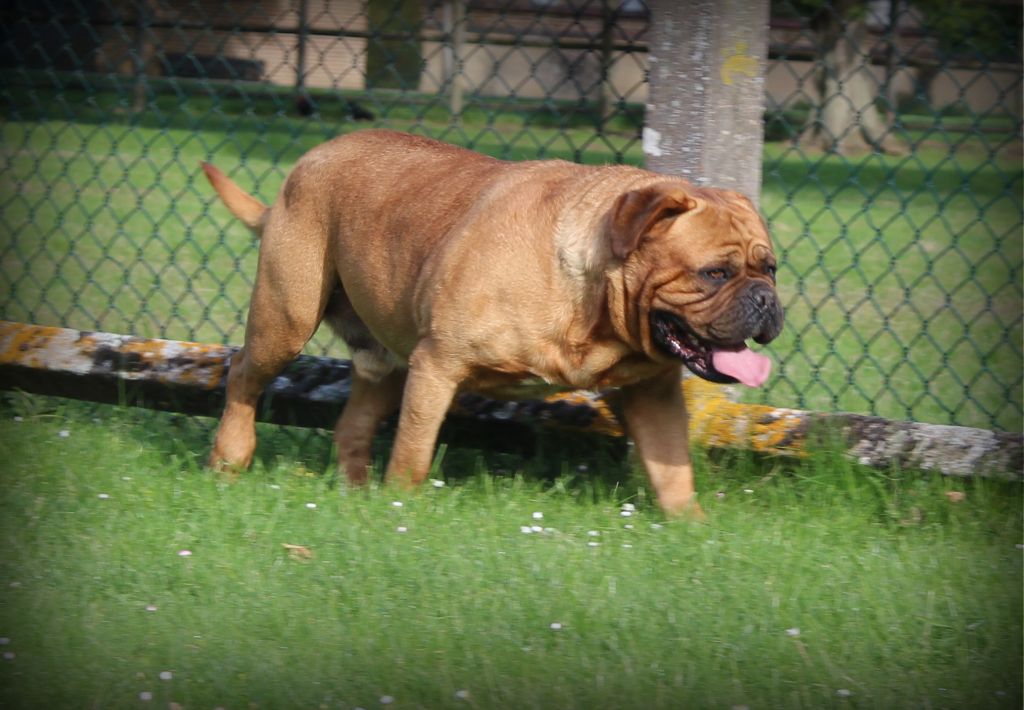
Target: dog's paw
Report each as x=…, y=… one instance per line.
x=684, y=509
x=224, y=469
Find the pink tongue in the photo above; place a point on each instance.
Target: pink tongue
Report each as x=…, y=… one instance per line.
x=750, y=368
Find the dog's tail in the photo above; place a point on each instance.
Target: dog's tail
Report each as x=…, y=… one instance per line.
x=244, y=206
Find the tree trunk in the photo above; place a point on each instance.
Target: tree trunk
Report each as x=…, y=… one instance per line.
x=705, y=112
x=846, y=120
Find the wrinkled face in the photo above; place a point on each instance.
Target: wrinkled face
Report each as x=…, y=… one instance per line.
x=700, y=272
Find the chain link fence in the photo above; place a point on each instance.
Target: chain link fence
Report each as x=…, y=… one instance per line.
x=892, y=169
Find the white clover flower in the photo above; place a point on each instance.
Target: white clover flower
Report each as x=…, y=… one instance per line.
x=626, y=513
x=536, y=528
x=63, y=433
x=538, y=515
x=629, y=507
x=656, y=526
x=593, y=533
x=166, y=675
x=556, y=626
x=628, y=526
x=437, y=483
x=401, y=529
x=311, y=506
x=184, y=553
x=844, y=693
x=395, y=504
x=145, y=696
x=386, y=700
x=627, y=546
x=525, y=529
x=103, y=496
x=151, y=607
x=793, y=632
x=462, y=694
x=593, y=544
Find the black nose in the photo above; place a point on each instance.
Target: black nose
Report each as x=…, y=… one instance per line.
x=765, y=313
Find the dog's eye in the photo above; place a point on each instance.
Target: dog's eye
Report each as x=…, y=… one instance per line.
x=717, y=274
x=770, y=269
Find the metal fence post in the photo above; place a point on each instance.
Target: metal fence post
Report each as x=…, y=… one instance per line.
x=454, y=26
x=300, y=62
x=705, y=111
x=142, y=53
x=606, y=97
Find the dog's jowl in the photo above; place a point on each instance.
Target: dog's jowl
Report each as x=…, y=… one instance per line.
x=445, y=270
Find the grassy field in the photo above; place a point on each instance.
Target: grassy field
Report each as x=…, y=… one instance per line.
x=813, y=584
x=901, y=276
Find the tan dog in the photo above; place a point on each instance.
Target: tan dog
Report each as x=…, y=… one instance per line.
x=445, y=270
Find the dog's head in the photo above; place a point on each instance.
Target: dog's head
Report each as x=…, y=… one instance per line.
x=698, y=275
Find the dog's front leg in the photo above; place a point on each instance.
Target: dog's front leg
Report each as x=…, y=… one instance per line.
x=429, y=389
x=655, y=418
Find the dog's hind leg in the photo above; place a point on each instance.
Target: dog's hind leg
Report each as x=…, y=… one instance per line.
x=293, y=283
x=377, y=381
x=369, y=403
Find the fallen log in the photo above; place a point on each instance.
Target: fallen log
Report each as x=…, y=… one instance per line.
x=189, y=378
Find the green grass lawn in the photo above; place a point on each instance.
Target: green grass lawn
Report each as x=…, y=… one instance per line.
x=901, y=276
x=813, y=584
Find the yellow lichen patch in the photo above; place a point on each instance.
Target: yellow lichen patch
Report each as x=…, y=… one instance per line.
x=697, y=391
x=715, y=420
x=779, y=431
x=25, y=345
x=176, y=362
x=604, y=420
x=148, y=349
x=16, y=341
x=207, y=364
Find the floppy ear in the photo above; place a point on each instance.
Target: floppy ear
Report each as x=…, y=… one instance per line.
x=637, y=212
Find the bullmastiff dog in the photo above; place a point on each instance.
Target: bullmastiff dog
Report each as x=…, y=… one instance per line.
x=445, y=270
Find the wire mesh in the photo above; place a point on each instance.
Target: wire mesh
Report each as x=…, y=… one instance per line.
x=892, y=168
